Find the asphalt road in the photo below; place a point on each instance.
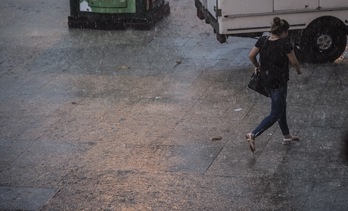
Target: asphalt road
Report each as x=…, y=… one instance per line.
x=124, y=120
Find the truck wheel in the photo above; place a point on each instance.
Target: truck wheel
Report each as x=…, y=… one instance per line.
x=221, y=38
x=324, y=40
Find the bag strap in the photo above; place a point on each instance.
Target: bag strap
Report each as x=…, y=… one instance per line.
x=264, y=43
x=262, y=48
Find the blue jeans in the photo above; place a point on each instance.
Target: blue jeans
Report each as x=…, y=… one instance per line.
x=278, y=112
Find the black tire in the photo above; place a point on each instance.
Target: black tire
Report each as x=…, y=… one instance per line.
x=221, y=38
x=324, y=40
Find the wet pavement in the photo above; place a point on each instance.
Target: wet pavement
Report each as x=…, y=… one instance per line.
x=124, y=120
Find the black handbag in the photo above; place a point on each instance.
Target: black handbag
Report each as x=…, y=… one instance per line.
x=255, y=84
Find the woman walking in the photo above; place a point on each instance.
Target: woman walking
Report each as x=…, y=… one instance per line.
x=275, y=53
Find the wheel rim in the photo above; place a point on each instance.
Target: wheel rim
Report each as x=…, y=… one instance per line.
x=324, y=42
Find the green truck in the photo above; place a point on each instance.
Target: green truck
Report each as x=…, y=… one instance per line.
x=116, y=14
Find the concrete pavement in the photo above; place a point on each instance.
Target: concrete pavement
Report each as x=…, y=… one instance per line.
x=123, y=120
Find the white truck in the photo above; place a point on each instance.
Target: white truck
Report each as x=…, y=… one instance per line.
x=318, y=28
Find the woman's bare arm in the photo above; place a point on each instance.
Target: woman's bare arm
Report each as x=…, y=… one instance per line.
x=252, y=56
x=294, y=62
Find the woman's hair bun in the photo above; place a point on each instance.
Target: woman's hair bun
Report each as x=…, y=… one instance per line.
x=276, y=20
